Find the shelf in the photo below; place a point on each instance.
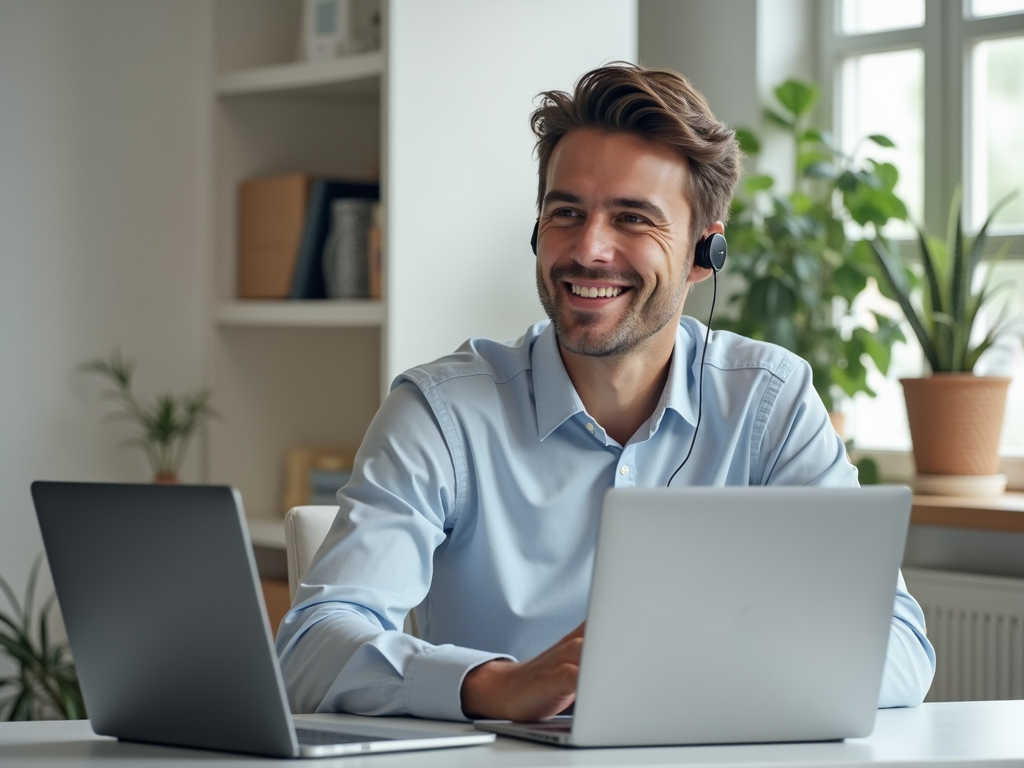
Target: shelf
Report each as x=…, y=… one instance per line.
x=997, y=513
x=357, y=77
x=342, y=313
x=266, y=533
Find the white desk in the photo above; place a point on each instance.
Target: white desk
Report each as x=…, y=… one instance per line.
x=950, y=735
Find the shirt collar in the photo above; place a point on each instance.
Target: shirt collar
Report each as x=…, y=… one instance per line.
x=553, y=391
x=557, y=399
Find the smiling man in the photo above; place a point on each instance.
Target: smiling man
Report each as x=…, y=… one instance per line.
x=476, y=491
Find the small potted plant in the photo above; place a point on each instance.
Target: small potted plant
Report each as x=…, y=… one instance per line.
x=800, y=268
x=166, y=426
x=45, y=685
x=955, y=417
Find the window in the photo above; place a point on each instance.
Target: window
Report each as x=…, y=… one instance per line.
x=944, y=79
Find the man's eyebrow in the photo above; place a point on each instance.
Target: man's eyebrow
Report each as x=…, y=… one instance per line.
x=554, y=196
x=638, y=204
x=635, y=203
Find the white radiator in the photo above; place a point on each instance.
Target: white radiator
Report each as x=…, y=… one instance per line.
x=976, y=624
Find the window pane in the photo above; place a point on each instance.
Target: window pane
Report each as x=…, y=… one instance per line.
x=995, y=7
x=884, y=93
x=997, y=134
x=860, y=16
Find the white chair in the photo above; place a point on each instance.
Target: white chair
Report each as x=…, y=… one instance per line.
x=305, y=529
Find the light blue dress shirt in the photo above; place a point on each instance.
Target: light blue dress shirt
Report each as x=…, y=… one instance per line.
x=475, y=496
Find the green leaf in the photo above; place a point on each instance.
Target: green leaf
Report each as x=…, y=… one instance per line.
x=881, y=140
x=779, y=120
x=797, y=96
x=816, y=136
x=886, y=173
x=820, y=169
x=748, y=141
x=758, y=183
x=867, y=471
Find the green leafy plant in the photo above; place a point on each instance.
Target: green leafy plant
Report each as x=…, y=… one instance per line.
x=800, y=268
x=166, y=425
x=45, y=685
x=944, y=319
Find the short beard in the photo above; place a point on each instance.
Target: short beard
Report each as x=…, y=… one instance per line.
x=638, y=326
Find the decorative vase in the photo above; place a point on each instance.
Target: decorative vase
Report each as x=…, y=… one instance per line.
x=955, y=423
x=165, y=478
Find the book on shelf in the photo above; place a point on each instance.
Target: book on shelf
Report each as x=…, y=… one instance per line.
x=376, y=254
x=271, y=219
x=346, y=257
x=308, y=281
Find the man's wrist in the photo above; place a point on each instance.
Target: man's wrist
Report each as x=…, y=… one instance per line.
x=482, y=696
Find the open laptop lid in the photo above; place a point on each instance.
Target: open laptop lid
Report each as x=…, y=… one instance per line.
x=155, y=663
x=161, y=601
x=725, y=615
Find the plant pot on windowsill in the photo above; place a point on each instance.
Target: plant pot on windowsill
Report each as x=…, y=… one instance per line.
x=955, y=417
x=955, y=423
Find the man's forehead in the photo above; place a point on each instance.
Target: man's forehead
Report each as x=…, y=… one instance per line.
x=619, y=169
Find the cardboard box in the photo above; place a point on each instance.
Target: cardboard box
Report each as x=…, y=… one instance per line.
x=271, y=217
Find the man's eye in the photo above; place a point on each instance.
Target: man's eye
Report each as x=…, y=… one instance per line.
x=632, y=218
x=564, y=213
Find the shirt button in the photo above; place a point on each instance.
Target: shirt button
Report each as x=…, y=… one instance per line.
x=623, y=470
x=590, y=427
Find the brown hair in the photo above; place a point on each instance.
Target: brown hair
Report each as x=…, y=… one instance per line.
x=659, y=105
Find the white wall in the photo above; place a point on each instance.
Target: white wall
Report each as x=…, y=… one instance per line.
x=103, y=114
x=462, y=195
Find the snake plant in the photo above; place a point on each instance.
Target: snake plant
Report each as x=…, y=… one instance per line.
x=953, y=296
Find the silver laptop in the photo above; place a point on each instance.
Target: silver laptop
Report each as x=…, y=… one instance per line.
x=161, y=600
x=730, y=615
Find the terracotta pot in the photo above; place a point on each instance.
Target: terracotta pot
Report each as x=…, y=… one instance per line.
x=955, y=422
x=838, y=420
x=165, y=478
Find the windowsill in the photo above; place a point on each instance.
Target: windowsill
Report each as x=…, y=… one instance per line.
x=998, y=513
x=898, y=467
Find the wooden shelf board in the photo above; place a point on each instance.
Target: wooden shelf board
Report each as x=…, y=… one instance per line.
x=345, y=313
x=357, y=77
x=996, y=513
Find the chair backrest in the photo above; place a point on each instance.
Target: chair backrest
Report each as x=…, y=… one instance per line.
x=305, y=529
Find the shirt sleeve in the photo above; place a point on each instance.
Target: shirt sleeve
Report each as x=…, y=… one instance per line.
x=800, y=447
x=341, y=646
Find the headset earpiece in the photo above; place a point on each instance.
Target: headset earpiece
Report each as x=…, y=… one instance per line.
x=533, y=237
x=711, y=252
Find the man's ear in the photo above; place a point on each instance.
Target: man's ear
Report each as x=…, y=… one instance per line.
x=700, y=274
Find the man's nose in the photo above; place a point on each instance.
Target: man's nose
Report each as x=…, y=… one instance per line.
x=596, y=243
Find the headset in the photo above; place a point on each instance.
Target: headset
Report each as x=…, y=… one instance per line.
x=710, y=253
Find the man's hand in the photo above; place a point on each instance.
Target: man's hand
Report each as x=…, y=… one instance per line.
x=533, y=690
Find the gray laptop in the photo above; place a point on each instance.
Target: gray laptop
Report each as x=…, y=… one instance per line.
x=161, y=601
x=730, y=615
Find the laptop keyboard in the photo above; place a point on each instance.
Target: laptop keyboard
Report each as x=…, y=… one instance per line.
x=314, y=738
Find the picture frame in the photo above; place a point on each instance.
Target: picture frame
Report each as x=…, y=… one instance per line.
x=313, y=475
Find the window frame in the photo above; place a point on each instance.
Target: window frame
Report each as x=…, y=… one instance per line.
x=947, y=38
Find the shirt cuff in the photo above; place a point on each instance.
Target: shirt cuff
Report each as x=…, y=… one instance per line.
x=433, y=681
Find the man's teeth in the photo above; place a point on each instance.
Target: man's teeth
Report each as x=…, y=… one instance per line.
x=596, y=293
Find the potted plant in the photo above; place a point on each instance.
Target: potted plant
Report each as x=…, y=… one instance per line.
x=166, y=426
x=45, y=685
x=801, y=272
x=955, y=417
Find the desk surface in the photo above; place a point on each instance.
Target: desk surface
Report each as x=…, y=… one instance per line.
x=950, y=734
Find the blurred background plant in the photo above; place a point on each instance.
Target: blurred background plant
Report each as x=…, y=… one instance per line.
x=45, y=686
x=796, y=253
x=166, y=425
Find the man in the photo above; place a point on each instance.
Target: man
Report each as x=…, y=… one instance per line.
x=481, y=477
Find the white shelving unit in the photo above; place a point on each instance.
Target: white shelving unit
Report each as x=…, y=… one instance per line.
x=439, y=116
x=286, y=373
